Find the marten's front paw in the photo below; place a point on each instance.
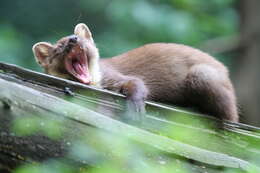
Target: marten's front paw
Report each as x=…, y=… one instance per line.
x=136, y=93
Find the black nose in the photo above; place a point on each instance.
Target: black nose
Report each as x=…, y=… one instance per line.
x=73, y=39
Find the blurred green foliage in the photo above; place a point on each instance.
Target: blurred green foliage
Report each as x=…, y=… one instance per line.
x=117, y=25
x=26, y=126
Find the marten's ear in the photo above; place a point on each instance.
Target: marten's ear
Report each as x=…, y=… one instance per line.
x=42, y=51
x=82, y=30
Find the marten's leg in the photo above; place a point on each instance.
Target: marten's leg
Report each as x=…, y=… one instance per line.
x=136, y=93
x=212, y=92
x=133, y=88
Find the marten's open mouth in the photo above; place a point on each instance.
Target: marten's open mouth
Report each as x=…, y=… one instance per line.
x=77, y=65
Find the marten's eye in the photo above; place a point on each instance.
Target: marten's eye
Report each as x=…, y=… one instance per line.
x=56, y=51
x=59, y=49
x=61, y=45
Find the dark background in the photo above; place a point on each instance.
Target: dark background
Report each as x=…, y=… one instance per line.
x=227, y=29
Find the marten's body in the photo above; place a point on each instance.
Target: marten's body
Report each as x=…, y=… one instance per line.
x=168, y=73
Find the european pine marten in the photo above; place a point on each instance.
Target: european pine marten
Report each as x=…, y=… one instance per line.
x=164, y=72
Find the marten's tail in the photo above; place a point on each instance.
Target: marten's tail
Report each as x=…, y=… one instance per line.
x=212, y=92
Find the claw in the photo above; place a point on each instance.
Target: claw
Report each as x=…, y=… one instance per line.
x=135, y=111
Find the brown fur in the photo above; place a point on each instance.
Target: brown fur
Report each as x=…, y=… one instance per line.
x=165, y=72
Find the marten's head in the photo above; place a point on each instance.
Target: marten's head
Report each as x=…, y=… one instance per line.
x=73, y=57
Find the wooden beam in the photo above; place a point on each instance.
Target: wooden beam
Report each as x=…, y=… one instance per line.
x=28, y=99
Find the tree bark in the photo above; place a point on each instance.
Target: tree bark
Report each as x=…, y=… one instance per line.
x=247, y=66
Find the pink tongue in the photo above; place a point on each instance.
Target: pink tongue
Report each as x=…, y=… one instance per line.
x=81, y=71
x=78, y=68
